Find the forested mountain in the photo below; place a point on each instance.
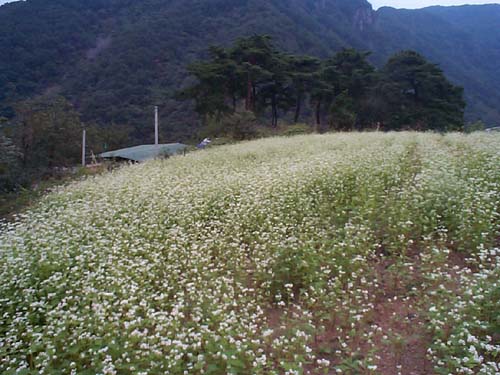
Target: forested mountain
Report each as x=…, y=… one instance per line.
x=464, y=40
x=114, y=59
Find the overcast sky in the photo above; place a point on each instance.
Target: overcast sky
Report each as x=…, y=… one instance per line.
x=424, y=3
x=405, y=3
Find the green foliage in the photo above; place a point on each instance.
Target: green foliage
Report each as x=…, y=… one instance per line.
x=303, y=72
x=447, y=36
x=342, y=84
x=114, y=59
x=236, y=126
x=297, y=129
x=342, y=115
x=475, y=127
x=418, y=95
x=252, y=69
x=10, y=165
x=48, y=133
x=409, y=93
x=217, y=81
x=45, y=140
x=107, y=138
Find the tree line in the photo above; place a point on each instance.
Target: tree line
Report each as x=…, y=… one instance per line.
x=45, y=138
x=252, y=79
x=344, y=92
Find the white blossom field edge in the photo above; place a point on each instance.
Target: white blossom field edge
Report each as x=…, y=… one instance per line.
x=351, y=253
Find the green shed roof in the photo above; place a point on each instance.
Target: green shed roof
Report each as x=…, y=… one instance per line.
x=145, y=152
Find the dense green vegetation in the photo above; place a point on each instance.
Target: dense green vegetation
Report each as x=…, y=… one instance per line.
x=354, y=253
x=464, y=40
x=44, y=138
x=10, y=163
x=113, y=60
x=44, y=141
x=348, y=253
x=237, y=90
x=407, y=93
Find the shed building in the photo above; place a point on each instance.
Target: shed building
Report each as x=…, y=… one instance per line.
x=145, y=152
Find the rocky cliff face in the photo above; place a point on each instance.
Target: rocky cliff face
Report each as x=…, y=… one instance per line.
x=364, y=18
x=359, y=13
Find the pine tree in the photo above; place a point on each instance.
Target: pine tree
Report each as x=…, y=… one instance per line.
x=217, y=81
x=418, y=95
x=350, y=75
x=255, y=55
x=302, y=72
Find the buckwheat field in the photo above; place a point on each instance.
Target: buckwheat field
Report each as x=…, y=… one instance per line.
x=345, y=253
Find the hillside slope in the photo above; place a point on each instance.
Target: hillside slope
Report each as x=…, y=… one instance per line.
x=311, y=254
x=464, y=40
x=116, y=58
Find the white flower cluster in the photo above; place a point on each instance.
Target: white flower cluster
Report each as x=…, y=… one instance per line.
x=464, y=326
x=256, y=258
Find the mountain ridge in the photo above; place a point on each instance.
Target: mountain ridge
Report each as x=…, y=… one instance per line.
x=114, y=59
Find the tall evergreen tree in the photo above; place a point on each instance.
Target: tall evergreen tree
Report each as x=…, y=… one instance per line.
x=408, y=92
x=255, y=54
x=418, y=95
x=277, y=92
x=218, y=80
x=351, y=75
x=302, y=72
x=322, y=91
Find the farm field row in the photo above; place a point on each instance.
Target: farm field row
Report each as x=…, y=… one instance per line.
x=360, y=253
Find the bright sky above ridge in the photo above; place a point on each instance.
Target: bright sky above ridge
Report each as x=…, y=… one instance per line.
x=403, y=3
x=411, y=4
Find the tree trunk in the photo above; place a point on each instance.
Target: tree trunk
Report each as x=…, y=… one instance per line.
x=248, y=101
x=298, y=107
x=254, y=95
x=318, y=114
x=275, y=112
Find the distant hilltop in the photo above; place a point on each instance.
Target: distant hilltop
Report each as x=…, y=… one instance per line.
x=114, y=58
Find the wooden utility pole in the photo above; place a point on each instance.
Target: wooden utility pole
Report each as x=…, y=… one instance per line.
x=84, y=141
x=156, y=125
